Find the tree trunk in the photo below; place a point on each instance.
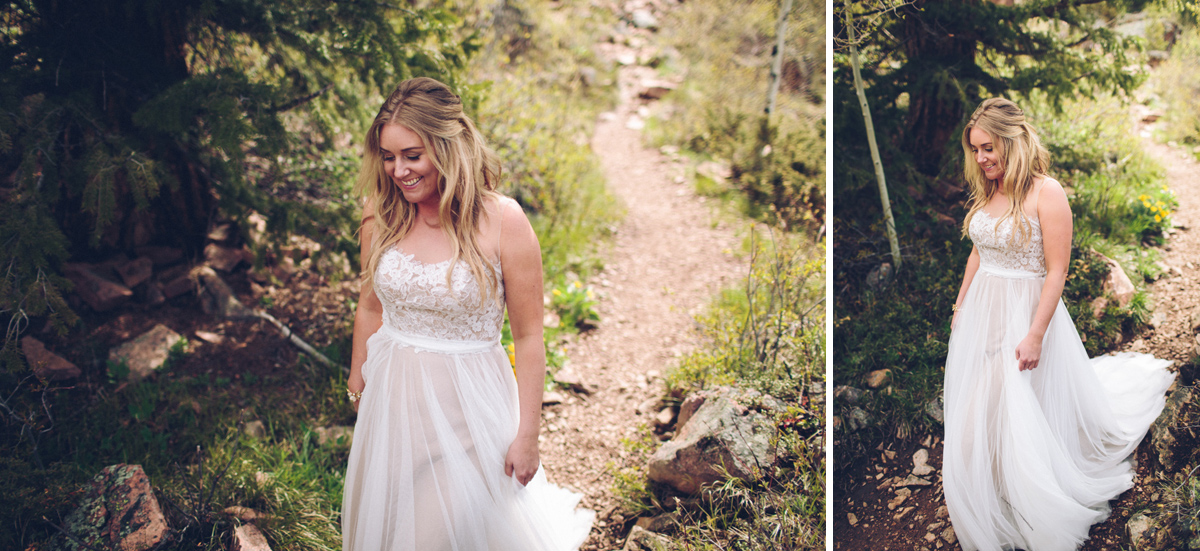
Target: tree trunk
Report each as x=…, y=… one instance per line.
x=888, y=220
x=777, y=56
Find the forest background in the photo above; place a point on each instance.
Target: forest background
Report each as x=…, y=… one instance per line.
x=1081, y=70
x=175, y=125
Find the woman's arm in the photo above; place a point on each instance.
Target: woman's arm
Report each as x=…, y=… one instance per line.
x=521, y=261
x=1054, y=214
x=368, y=317
x=968, y=276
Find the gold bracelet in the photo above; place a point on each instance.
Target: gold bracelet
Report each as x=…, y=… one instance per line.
x=354, y=396
x=954, y=308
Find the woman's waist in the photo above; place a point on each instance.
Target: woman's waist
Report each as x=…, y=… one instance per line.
x=1010, y=272
x=439, y=344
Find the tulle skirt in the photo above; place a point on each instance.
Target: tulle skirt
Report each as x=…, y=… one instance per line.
x=426, y=467
x=1033, y=457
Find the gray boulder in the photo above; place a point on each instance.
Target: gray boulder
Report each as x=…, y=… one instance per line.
x=730, y=429
x=146, y=353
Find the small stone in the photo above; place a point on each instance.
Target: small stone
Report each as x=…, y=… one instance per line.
x=913, y=480
x=255, y=429
x=551, y=397
x=335, y=434
x=178, y=286
x=948, y=535
x=136, y=271
x=930, y=537
x=160, y=256
x=643, y=19
x=46, y=364
x=245, y=514
x=209, y=337
x=568, y=378
x=665, y=417
x=146, y=353
x=627, y=58
x=942, y=512
x=248, y=537
x=847, y=394
x=100, y=294
x=896, y=502
x=641, y=539
x=852, y=518
x=878, y=378
x=920, y=466
x=662, y=524
x=903, y=513
x=221, y=258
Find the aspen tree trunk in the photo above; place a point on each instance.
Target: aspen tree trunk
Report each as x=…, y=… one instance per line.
x=862, y=101
x=777, y=57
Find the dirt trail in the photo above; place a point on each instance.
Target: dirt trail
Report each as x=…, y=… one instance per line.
x=669, y=257
x=1173, y=336
x=1177, y=293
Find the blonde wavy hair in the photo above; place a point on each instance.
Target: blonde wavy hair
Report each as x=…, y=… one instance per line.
x=469, y=172
x=1022, y=155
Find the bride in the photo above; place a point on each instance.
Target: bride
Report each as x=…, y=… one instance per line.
x=1037, y=435
x=445, y=451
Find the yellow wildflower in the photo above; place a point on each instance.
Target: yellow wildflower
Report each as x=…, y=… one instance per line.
x=590, y=295
x=1153, y=209
x=557, y=292
x=1158, y=218
x=577, y=284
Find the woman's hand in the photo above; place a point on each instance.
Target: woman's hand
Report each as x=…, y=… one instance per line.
x=522, y=459
x=355, y=383
x=1029, y=352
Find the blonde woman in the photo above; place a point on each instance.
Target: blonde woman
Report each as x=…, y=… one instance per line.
x=1037, y=435
x=445, y=452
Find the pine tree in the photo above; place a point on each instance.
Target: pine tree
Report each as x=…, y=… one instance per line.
x=126, y=123
x=931, y=62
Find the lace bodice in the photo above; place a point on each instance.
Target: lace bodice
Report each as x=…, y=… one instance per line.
x=999, y=248
x=416, y=301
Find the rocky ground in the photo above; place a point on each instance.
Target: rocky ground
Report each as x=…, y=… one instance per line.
x=885, y=508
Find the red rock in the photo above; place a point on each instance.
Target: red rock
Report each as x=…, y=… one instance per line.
x=119, y=511
x=136, y=271
x=147, y=352
x=222, y=258
x=248, y=537
x=161, y=256
x=46, y=364
x=99, y=293
x=178, y=286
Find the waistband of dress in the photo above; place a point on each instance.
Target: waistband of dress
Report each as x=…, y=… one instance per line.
x=433, y=344
x=1010, y=274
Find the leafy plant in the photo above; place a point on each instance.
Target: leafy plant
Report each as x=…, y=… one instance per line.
x=575, y=306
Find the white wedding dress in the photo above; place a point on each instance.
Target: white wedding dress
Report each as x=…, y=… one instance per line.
x=426, y=468
x=1033, y=457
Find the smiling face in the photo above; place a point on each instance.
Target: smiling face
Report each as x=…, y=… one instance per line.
x=410, y=165
x=987, y=154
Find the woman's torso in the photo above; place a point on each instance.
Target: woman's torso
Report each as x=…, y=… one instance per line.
x=410, y=282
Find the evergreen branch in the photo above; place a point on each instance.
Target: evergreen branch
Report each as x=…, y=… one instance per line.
x=301, y=100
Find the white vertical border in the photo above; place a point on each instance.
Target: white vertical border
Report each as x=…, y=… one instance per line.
x=828, y=274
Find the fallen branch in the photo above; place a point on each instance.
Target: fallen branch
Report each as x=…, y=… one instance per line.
x=217, y=298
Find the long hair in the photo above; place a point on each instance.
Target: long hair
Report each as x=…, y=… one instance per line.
x=469, y=172
x=1022, y=155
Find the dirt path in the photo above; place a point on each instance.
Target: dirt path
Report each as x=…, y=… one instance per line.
x=871, y=515
x=1177, y=293
x=668, y=259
